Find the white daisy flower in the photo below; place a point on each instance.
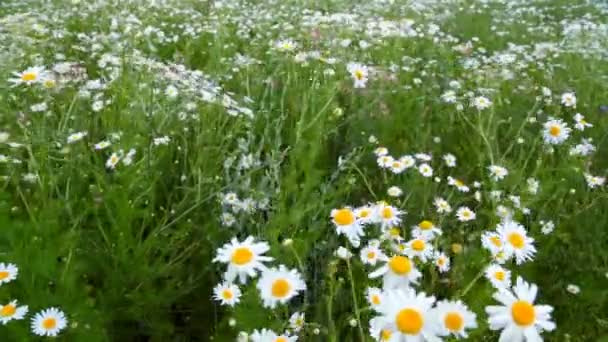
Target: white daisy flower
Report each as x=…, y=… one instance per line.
x=102, y=145
x=441, y=261
x=569, y=99
x=347, y=224
x=458, y=184
x=398, y=271
x=371, y=254
x=426, y=230
x=594, y=181
x=394, y=191
x=113, y=160
x=374, y=297
x=497, y=172
x=285, y=45
x=266, y=335
x=227, y=293
x=517, y=243
x=297, y=321
x=8, y=272
x=385, y=161
x=442, y=206
x=381, y=151
x=366, y=214
x=12, y=311
x=74, y=137
x=454, y=317
x=518, y=317
x=29, y=76
x=397, y=167
x=498, y=276
x=244, y=259
x=419, y=248
x=407, y=161
x=49, y=322
x=465, y=214
x=359, y=73
x=555, y=131
x=492, y=241
x=279, y=285
x=389, y=216
x=481, y=103
x=580, y=122
x=425, y=170
x=407, y=316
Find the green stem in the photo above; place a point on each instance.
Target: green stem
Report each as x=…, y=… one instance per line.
x=355, y=302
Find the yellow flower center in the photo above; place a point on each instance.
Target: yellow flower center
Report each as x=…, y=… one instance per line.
x=453, y=321
x=387, y=213
x=280, y=288
x=242, y=256
x=359, y=74
x=425, y=225
x=458, y=182
x=396, y=164
x=409, y=321
x=4, y=275
x=441, y=261
x=227, y=294
x=523, y=313
x=555, y=130
x=344, y=217
x=28, y=76
x=394, y=232
x=466, y=214
x=8, y=310
x=385, y=335
x=364, y=213
x=400, y=264
x=418, y=245
x=49, y=84
x=500, y=275
x=281, y=339
x=496, y=241
x=371, y=255
x=376, y=300
x=517, y=240
x=49, y=323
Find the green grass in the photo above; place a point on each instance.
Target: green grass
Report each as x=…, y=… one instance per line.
x=127, y=253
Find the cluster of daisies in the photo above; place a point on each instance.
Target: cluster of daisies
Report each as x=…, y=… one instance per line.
x=48, y=322
x=276, y=285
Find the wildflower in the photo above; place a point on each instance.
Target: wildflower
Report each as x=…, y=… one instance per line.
x=481, y=103
x=498, y=276
x=458, y=184
x=74, y=137
x=465, y=214
x=112, y=161
x=518, y=317
x=389, y=216
x=581, y=124
x=547, y=227
x=450, y=160
x=398, y=271
x=227, y=294
x=343, y=253
x=385, y=161
x=279, y=285
x=266, y=335
x=442, y=206
x=594, y=181
x=381, y=151
x=8, y=272
x=425, y=170
x=419, y=248
x=285, y=45
x=228, y=220
x=12, y=311
x=407, y=315
x=394, y=191
x=556, y=131
x=171, y=92
x=366, y=214
x=492, y=241
x=533, y=186
x=374, y=297
x=397, y=167
x=29, y=76
x=244, y=259
x=442, y=262
x=371, y=254
x=497, y=172
x=347, y=224
x=426, y=230
x=454, y=318
x=49, y=322
x=102, y=145
x=516, y=241
x=573, y=289
x=359, y=73
x=569, y=99
x=296, y=321
x=407, y=161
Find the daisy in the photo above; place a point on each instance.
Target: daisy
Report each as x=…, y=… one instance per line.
x=453, y=318
x=419, y=248
x=397, y=167
x=394, y=191
x=441, y=261
x=366, y=214
x=450, y=160
x=497, y=172
x=285, y=45
x=407, y=316
x=359, y=73
x=594, y=181
x=72, y=138
x=374, y=297
x=347, y=224
x=426, y=230
x=481, y=103
x=385, y=161
x=11, y=311
x=8, y=272
x=465, y=214
x=112, y=161
x=581, y=124
x=425, y=170
x=442, y=206
x=569, y=99
x=492, y=241
x=407, y=161
x=371, y=254
x=227, y=294
x=381, y=151
x=49, y=322
x=458, y=184
x=102, y=145
x=423, y=156
x=244, y=259
x=556, y=131
x=380, y=332
x=498, y=276
x=389, y=216
x=29, y=76
x=279, y=285
x=518, y=317
x=296, y=321
x=398, y=271
x=266, y=335
x=516, y=241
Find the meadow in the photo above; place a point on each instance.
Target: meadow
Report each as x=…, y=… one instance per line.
x=291, y=170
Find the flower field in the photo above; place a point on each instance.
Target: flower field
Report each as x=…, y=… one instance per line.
x=293, y=170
